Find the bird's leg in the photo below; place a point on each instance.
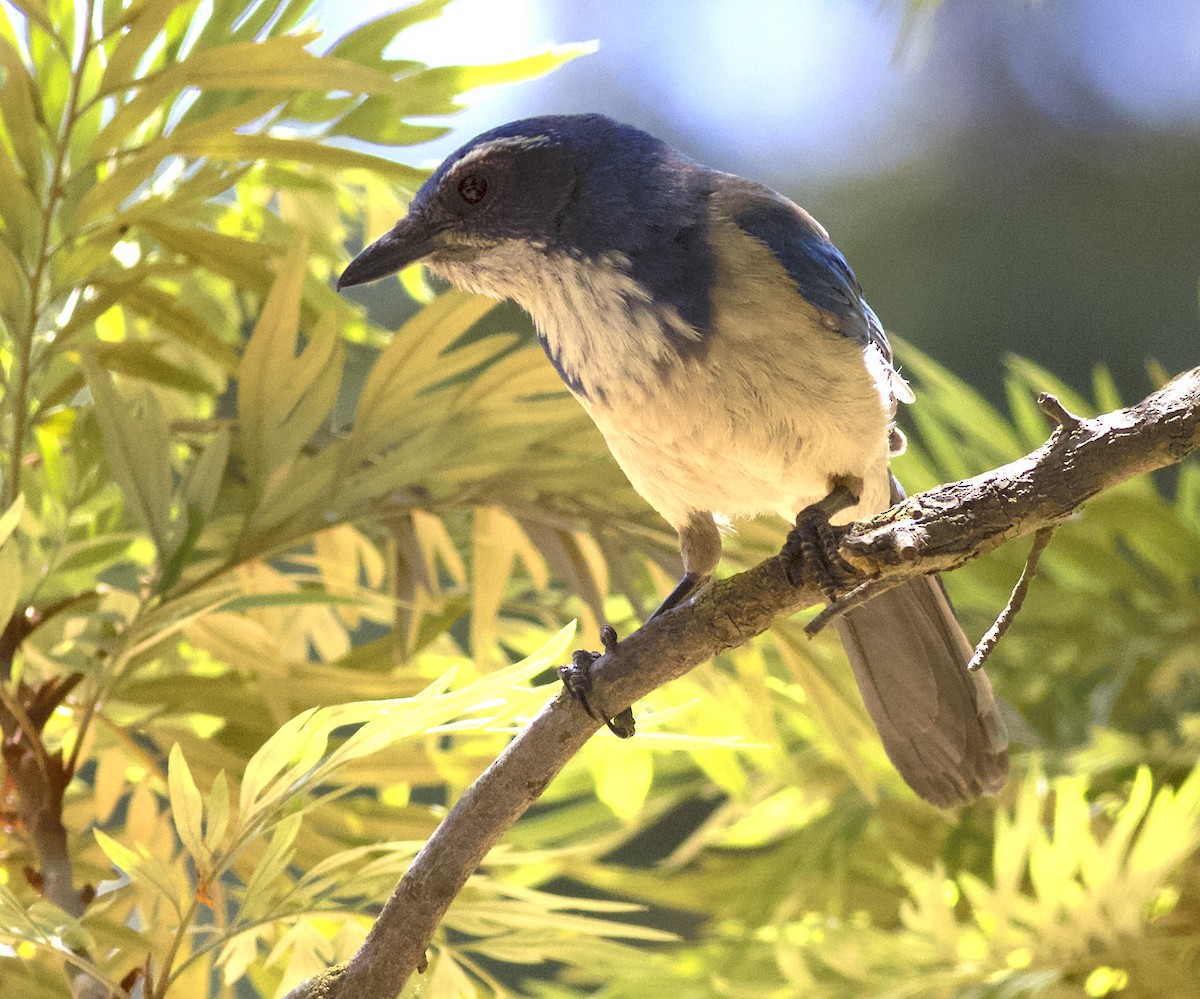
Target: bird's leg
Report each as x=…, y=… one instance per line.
x=689, y=584
x=700, y=546
x=812, y=544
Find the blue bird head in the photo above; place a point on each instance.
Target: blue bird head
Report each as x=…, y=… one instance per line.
x=583, y=185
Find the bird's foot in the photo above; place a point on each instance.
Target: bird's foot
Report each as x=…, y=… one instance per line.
x=811, y=548
x=577, y=678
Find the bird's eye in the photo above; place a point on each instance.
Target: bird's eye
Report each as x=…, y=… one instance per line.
x=473, y=188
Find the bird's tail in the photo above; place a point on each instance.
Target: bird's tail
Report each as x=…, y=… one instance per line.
x=940, y=724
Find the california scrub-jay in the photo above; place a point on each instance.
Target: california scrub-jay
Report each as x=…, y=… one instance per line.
x=722, y=345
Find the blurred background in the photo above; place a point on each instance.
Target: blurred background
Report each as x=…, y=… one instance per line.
x=1004, y=177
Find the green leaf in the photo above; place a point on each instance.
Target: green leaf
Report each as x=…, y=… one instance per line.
x=436, y=91
x=10, y=518
x=217, y=807
x=306, y=597
x=270, y=867
x=181, y=205
x=235, y=21
x=623, y=778
x=141, y=25
x=1032, y=425
x=271, y=148
x=366, y=43
x=412, y=359
x=14, y=287
x=164, y=312
x=58, y=479
x=272, y=65
x=137, y=444
x=13, y=915
x=283, y=397
x=282, y=63
x=58, y=926
x=20, y=208
x=270, y=759
x=1104, y=389
x=20, y=114
x=11, y=579
x=50, y=53
x=1037, y=380
x=122, y=857
x=164, y=878
x=207, y=473
x=841, y=726
x=294, y=759
x=35, y=10
x=109, y=195
x=380, y=120
x=140, y=359
x=187, y=807
x=243, y=261
x=93, y=555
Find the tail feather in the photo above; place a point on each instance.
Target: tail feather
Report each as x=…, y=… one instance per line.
x=939, y=723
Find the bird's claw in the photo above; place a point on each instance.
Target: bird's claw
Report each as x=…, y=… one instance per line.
x=811, y=548
x=577, y=678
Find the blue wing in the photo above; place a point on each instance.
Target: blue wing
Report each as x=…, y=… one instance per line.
x=814, y=264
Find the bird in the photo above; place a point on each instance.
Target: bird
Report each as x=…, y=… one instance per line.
x=722, y=345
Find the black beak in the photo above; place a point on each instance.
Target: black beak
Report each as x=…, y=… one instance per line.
x=408, y=241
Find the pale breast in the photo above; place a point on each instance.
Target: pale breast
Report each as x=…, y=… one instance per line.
x=751, y=416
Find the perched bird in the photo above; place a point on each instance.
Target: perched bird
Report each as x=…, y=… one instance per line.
x=723, y=347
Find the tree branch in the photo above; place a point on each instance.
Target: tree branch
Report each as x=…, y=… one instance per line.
x=41, y=779
x=935, y=531
x=988, y=643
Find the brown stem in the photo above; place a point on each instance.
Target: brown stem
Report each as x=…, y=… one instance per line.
x=996, y=632
x=21, y=371
x=41, y=778
x=1053, y=408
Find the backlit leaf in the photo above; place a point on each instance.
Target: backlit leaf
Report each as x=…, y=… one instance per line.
x=187, y=807
x=217, y=808
x=10, y=518
x=366, y=43
x=11, y=580
x=137, y=445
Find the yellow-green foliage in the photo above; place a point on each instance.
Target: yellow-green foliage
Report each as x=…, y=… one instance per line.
x=287, y=558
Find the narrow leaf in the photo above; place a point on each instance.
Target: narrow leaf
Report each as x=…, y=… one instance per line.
x=11, y=578
x=139, y=359
x=11, y=517
x=146, y=23
x=218, y=812
x=207, y=473
x=272, y=757
x=367, y=42
x=136, y=443
x=121, y=856
x=187, y=807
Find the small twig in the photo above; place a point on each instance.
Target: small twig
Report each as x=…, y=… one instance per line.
x=10, y=703
x=997, y=630
x=858, y=596
x=1059, y=413
x=25, y=622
